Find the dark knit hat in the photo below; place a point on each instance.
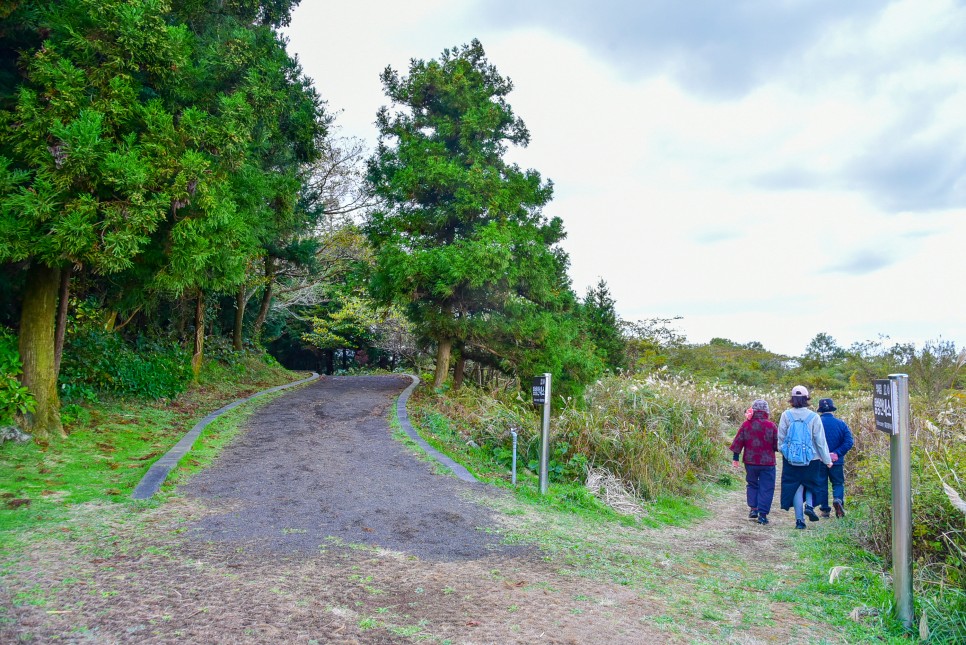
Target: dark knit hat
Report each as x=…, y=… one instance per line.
x=760, y=404
x=826, y=405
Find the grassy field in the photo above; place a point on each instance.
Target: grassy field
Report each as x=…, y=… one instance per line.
x=690, y=569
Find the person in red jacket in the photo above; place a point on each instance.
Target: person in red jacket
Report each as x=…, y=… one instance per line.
x=758, y=438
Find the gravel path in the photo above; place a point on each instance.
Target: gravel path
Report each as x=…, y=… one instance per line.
x=320, y=464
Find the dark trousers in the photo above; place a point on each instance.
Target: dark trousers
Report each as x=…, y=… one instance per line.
x=761, y=487
x=835, y=476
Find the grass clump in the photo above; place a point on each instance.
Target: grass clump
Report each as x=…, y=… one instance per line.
x=473, y=428
x=656, y=443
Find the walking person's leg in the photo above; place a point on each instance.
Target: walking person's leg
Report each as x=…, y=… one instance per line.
x=822, y=500
x=751, y=490
x=811, y=491
x=836, y=475
x=799, y=504
x=808, y=506
x=766, y=492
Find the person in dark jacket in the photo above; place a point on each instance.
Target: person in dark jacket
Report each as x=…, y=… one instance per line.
x=758, y=438
x=838, y=436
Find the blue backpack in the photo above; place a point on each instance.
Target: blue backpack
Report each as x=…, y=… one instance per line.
x=797, y=447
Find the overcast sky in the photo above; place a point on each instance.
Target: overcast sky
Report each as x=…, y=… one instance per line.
x=766, y=169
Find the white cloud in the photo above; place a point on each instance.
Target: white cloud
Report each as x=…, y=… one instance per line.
x=827, y=193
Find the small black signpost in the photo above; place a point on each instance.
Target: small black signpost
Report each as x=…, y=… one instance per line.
x=539, y=389
x=541, y=396
x=883, y=403
x=890, y=405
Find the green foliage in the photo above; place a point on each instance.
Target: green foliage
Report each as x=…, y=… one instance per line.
x=98, y=361
x=939, y=528
x=158, y=143
x=602, y=325
x=15, y=400
x=460, y=240
x=646, y=433
x=351, y=324
x=89, y=161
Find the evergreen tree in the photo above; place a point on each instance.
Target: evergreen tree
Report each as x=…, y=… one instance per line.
x=90, y=159
x=461, y=234
x=604, y=326
x=144, y=138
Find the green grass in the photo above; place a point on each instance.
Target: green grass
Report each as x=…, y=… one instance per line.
x=864, y=586
x=111, y=445
x=586, y=538
x=569, y=497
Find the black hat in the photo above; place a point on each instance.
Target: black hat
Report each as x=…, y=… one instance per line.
x=826, y=405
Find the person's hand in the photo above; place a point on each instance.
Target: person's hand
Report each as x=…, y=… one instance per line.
x=828, y=465
x=834, y=456
x=734, y=464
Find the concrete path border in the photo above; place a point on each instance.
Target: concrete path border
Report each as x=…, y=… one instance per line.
x=407, y=427
x=158, y=472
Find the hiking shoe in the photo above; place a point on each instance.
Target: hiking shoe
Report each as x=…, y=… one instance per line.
x=839, y=511
x=824, y=513
x=799, y=524
x=763, y=519
x=753, y=514
x=810, y=512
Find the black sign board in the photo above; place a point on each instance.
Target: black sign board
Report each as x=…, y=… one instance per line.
x=882, y=405
x=539, y=390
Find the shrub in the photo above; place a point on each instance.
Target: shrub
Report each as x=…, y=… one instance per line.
x=15, y=400
x=100, y=361
x=938, y=527
x=646, y=433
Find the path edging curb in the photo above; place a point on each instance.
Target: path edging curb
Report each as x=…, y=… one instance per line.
x=158, y=472
x=403, y=416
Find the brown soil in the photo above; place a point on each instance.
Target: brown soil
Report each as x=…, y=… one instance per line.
x=315, y=526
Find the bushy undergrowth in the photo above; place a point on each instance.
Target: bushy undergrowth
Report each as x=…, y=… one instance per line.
x=15, y=400
x=97, y=361
x=938, y=526
x=658, y=435
x=647, y=432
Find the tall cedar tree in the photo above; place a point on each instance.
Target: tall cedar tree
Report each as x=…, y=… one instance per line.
x=461, y=234
x=282, y=122
x=90, y=159
x=116, y=153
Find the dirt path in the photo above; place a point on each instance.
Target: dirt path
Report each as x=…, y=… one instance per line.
x=315, y=526
x=321, y=464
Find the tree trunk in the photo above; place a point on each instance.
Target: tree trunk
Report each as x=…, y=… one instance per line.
x=266, y=299
x=444, y=347
x=458, y=370
x=37, y=330
x=240, y=302
x=61, y=329
x=199, y=336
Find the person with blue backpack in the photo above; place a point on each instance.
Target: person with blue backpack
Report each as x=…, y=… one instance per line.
x=801, y=440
